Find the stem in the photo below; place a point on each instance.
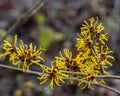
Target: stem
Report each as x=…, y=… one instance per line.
x=97, y=84
x=83, y=74
x=24, y=18
x=75, y=73
x=108, y=77
x=67, y=72
x=18, y=69
x=107, y=87
x=103, y=71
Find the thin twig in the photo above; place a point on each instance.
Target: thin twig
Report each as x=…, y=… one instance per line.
x=67, y=72
x=107, y=87
x=75, y=73
x=108, y=77
x=24, y=17
x=97, y=84
x=18, y=69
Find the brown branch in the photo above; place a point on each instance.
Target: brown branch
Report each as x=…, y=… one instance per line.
x=108, y=77
x=18, y=69
x=106, y=87
x=67, y=72
x=23, y=18
x=98, y=84
x=36, y=73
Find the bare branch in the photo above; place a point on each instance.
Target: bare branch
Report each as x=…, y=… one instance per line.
x=68, y=72
x=108, y=77
x=106, y=87
x=24, y=18
x=97, y=84
x=18, y=69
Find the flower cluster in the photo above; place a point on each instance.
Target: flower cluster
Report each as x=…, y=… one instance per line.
x=93, y=54
x=52, y=74
x=10, y=49
x=91, y=60
x=23, y=55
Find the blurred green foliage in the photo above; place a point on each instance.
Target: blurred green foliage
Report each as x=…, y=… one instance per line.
x=48, y=35
x=40, y=18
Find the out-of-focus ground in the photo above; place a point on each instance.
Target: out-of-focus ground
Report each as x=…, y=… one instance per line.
x=55, y=27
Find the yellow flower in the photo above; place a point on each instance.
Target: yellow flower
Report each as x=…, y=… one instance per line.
x=91, y=71
x=94, y=29
x=53, y=75
x=10, y=49
x=64, y=61
x=84, y=41
x=102, y=58
x=92, y=26
x=68, y=63
x=103, y=55
x=87, y=81
x=78, y=66
x=23, y=55
x=85, y=44
x=27, y=55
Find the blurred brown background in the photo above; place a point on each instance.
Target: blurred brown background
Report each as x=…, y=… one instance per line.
x=55, y=27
